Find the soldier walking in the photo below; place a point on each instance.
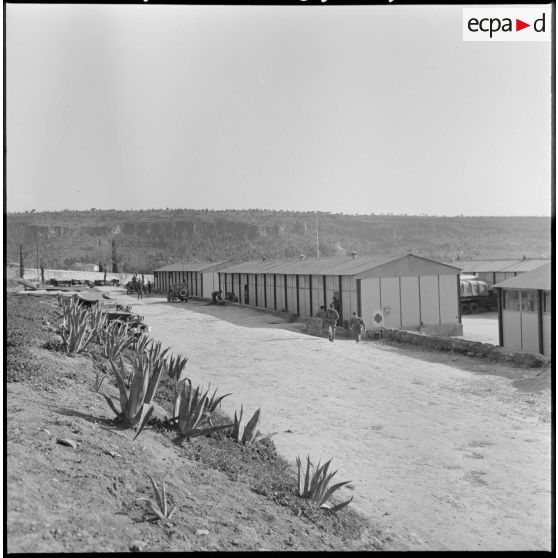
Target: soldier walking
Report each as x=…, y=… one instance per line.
x=331, y=316
x=356, y=323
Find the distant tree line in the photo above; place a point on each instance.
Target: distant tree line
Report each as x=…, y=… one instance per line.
x=147, y=239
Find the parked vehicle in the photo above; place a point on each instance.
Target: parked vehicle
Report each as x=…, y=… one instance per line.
x=134, y=322
x=178, y=292
x=476, y=296
x=133, y=286
x=60, y=282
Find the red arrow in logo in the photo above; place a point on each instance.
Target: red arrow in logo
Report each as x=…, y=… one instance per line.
x=519, y=25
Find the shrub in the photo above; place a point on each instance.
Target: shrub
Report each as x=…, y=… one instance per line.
x=114, y=339
x=79, y=326
x=175, y=367
x=315, y=486
x=248, y=432
x=135, y=402
x=190, y=409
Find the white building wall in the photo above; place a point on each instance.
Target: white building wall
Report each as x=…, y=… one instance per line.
x=317, y=293
x=251, y=289
x=546, y=333
x=530, y=332
x=210, y=284
x=332, y=287
x=410, y=307
x=389, y=295
x=291, y=293
x=512, y=329
x=260, y=290
x=269, y=290
x=245, y=290
x=449, y=312
x=349, y=297
x=280, y=292
x=370, y=299
x=430, y=307
x=304, y=296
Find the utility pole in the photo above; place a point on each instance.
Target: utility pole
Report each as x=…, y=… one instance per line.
x=21, y=268
x=37, y=239
x=317, y=236
x=114, y=262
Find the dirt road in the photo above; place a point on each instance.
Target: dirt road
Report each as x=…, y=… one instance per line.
x=447, y=452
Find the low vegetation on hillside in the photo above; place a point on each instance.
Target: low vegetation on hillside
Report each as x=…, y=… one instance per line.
x=141, y=241
x=115, y=469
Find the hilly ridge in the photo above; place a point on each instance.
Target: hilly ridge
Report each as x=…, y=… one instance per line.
x=147, y=239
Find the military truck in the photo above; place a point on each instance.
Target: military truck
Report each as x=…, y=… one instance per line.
x=178, y=292
x=476, y=296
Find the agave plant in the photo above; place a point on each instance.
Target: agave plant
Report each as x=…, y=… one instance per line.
x=248, y=432
x=315, y=485
x=211, y=403
x=156, y=357
x=100, y=377
x=135, y=401
x=66, y=302
x=159, y=507
x=80, y=327
x=190, y=412
x=176, y=365
x=114, y=340
x=141, y=343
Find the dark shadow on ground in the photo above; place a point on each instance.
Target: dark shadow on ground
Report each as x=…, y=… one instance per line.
x=523, y=378
x=237, y=314
x=89, y=418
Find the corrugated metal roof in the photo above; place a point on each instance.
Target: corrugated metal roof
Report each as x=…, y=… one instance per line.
x=193, y=266
x=501, y=266
x=526, y=265
x=539, y=279
x=319, y=266
x=484, y=265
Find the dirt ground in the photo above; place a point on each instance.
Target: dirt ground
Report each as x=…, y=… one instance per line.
x=482, y=327
x=83, y=497
x=444, y=451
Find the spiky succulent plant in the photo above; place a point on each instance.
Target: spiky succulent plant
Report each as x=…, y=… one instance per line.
x=314, y=485
x=136, y=401
x=160, y=506
x=191, y=412
x=80, y=326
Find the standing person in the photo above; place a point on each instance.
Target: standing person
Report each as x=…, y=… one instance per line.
x=140, y=290
x=356, y=323
x=321, y=314
x=148, y=287
x=336, y=305
x=330, y=318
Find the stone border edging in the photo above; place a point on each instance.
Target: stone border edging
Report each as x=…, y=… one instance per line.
x=464, y=346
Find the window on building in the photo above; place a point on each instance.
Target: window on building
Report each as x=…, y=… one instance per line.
x=547, y=302
x=512, y=300
x=529, y=301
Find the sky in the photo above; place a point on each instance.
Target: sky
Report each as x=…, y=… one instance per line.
x=348, y=109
